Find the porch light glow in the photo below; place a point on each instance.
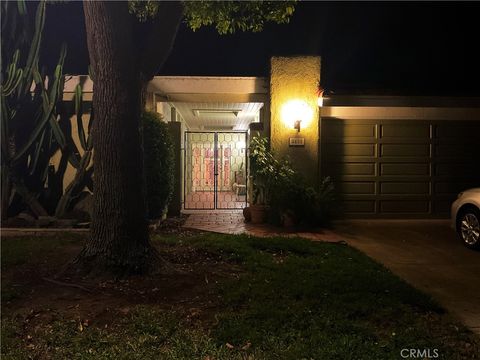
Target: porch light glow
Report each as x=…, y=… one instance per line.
x=296, y=114
x=320, y=101
x=320, y=96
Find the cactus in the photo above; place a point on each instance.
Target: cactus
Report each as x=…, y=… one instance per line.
x=18, y=118
x=30, y=116
x=85, y=169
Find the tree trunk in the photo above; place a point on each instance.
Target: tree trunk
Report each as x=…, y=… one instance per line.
x=119, y=241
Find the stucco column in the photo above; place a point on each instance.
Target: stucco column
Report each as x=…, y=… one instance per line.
x=293, y=96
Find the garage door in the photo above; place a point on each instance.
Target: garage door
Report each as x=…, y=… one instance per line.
x=400, y=168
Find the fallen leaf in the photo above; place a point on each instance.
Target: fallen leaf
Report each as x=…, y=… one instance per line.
x=125, y=310
x=246, y=346
x=230, y=346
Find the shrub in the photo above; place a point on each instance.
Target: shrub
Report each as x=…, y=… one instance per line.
x=264, y=170
x=286, y=191
x=305, y=204
x=159, y=164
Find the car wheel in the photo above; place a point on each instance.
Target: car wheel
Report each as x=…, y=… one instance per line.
x=468, y=227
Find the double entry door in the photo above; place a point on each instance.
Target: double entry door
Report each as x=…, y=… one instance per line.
x=215, y=172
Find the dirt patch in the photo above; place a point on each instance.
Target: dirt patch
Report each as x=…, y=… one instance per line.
x=174, y=226
x=37, y=301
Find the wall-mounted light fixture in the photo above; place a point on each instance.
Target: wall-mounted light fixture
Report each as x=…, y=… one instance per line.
x=296, y=125
x=296, y=114
x=320, y=92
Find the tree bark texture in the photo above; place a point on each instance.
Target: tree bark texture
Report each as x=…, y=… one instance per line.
x=119, y=240
x=122, y=63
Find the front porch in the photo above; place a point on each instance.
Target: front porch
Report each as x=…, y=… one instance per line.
x=209, y=118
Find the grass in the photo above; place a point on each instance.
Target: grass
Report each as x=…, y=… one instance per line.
x=22, y=249
x=295, y=299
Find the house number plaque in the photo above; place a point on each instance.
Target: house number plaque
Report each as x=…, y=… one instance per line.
x=296, y=141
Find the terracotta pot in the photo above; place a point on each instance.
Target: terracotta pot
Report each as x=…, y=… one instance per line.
x=258, y=214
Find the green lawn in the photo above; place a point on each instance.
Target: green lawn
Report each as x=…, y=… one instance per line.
x=291, y=299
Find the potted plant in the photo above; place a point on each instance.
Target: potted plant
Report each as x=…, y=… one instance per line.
x=262, y=166
x=280, y=192
x=259, y=206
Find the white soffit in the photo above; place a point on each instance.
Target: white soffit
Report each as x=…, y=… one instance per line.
x=218, y=116
x=208, y=85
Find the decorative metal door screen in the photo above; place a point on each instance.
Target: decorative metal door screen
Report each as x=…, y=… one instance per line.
x=215, y=170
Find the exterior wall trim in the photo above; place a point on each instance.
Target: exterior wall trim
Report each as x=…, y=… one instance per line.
x=411, y=113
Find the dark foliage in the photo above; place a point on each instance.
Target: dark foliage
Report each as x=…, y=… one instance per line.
x=287, y=193
x=159, y=163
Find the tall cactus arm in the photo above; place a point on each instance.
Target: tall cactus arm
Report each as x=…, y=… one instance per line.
x=22, y=8
x=4, y=113
x=13, y=25
x=45, y=118
x=90, y=73
x=77, y=185
x=49, y=101
x=46, y=160
x=45, y=156
x=56, y=94
x=13, y=75
x=34, y=48
x=90, y=140
x=78, y=99
x=60, y=83
x=37, y=152
x=12, y=82
x=90, y=122
x=74, y=156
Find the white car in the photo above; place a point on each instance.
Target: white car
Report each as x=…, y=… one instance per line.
x=466, y=217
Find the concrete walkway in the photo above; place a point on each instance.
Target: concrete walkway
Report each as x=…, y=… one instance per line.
x=232, y=222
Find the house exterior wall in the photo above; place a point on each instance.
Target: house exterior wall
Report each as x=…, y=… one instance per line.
x=388, y=156
x=293, y=96
x=165, y=111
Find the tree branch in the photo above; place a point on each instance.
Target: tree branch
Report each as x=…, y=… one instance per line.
x=161, y=38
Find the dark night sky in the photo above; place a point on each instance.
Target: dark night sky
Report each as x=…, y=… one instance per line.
x=379, y=48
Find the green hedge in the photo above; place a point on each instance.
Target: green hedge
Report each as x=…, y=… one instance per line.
x=159, y=164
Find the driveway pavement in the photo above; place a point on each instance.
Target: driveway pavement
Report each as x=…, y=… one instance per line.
x=427, y=254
